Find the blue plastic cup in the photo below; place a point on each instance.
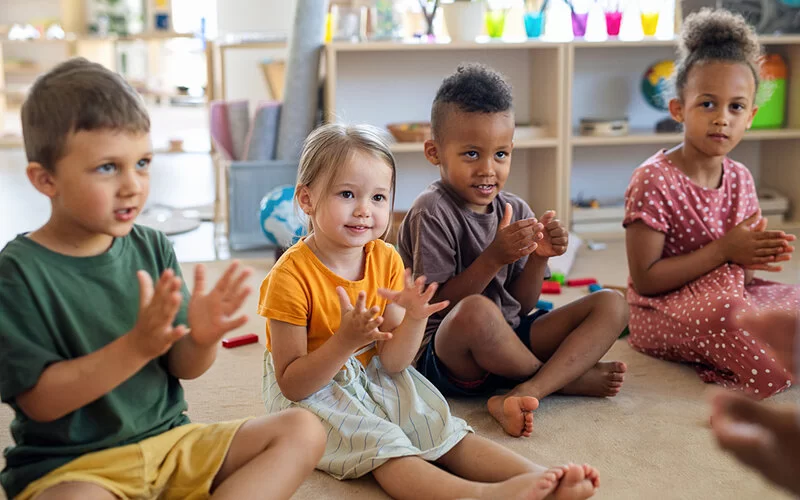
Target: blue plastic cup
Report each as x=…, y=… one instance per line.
x=534, y=24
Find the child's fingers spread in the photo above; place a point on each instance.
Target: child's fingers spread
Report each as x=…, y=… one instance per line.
x=233, y=324
x=434, y=308
x=177, y=333
x=379, y=335
x=145, y=288
x=344, y=300
x=199, y=279
x=428, y=295
x=238, y=301
x=361, y=302
x=388, y=294
x=240, y=280
x=225, y=280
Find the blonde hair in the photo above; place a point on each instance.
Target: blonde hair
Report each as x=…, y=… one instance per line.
x=328, y=148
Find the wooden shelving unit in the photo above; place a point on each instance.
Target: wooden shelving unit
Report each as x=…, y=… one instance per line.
x=77, y=42
x=385, y=82
x=777, y=149
x=371, y=83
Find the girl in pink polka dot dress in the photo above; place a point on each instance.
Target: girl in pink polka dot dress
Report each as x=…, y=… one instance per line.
x=694, y=230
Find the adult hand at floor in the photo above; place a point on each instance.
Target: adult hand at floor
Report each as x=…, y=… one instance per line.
x=766, y=438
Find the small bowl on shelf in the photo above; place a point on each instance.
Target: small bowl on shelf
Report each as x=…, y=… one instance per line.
x=410, y=131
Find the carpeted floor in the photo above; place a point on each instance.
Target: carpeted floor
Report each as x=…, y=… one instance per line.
x=650, y=442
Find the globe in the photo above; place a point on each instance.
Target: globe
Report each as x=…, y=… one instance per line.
x=280, y=220
x=656, y=87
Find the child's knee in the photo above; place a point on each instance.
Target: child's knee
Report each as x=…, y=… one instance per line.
x=304, y=428
x=475, y=313
x=612, y=304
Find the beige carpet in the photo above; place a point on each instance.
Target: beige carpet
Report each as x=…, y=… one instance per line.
x=650, y=442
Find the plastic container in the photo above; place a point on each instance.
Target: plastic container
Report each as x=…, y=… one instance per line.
x=771, y=95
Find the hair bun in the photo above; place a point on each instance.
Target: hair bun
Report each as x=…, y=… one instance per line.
x=718, y=28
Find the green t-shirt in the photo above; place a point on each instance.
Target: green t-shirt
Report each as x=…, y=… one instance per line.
x=53, y=308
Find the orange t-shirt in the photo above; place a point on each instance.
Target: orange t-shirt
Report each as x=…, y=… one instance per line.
x=301, y=291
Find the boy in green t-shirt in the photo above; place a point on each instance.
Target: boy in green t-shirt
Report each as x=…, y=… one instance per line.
x=89, y=361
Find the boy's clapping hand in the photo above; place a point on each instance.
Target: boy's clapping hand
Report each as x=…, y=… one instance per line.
x=556, y=237
x=514, y=241
x=153, y=333
x=210, y=313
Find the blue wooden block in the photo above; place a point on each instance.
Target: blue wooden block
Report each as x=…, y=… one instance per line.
x=594, y=287
x=544, y=305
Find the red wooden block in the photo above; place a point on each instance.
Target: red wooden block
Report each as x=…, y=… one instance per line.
x=581, y=282
x=250, y=338
x=552, y=287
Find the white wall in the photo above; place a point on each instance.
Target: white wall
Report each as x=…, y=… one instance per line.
x=243, y=76
x=271, y=16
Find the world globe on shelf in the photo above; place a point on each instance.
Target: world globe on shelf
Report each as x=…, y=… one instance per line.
x=280, y=220
x=656, y=84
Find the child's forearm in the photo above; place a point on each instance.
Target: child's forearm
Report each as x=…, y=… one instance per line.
x=307, y=374
x=66, y=386
x=187, y=360
x=398, y=353
x=473, y=280
x=528, y=285
x=666, y=275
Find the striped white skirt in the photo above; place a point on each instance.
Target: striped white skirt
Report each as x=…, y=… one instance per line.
x=371, y=416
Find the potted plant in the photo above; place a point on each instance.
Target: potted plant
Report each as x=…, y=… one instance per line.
x=463, y=19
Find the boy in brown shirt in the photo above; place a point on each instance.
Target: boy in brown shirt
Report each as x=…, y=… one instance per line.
x=489, y=253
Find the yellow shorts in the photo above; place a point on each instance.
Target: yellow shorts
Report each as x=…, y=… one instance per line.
x=180, y=464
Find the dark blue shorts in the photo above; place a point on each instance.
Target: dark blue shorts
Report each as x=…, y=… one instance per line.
x=434, y=369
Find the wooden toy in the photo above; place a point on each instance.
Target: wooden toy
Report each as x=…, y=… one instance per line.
x=552, y=287
x=544, y=305
x=594, y=287
x=250, y=338
x=558, y=278
x=581, y=281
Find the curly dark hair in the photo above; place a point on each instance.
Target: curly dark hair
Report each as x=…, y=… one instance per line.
x=716, y=35
x=473, y=88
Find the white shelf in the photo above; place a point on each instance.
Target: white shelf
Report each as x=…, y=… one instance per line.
x=416, y=45
x=639, y=137
x=524, y=138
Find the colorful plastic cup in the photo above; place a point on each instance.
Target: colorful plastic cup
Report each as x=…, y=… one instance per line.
x=649, y=23
x=534, y=24
x=579, y=20
x=613, y=22
x=495, y=22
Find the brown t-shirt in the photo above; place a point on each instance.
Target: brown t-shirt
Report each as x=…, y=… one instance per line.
x=440, y=237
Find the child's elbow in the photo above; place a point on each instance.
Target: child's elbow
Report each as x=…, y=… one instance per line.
x=38, y=413
x=393, y=366
x=643, y=287
x=290, y=392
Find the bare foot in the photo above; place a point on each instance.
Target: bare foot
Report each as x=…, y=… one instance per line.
x=602, y=380
x=515, y=413
x=532, y=486
x=579, y=482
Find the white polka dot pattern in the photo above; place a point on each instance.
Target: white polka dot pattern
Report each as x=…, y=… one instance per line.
x=697, y=324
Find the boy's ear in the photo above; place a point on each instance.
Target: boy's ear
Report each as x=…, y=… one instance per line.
x=432, y=152
x=304, y=200
x=42, y=179
x=676, y=110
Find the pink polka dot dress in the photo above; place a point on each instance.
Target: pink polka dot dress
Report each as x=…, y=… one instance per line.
x=697, y=324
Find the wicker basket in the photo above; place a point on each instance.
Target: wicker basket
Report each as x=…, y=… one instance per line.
x=410, y=131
